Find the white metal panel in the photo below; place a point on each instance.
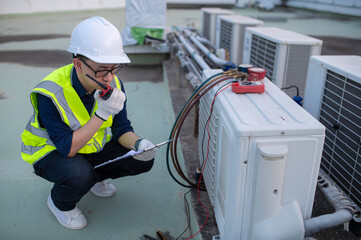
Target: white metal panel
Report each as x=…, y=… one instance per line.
x=334, y=97
x=208, y=2
x=284, y=54
x=231, y=33
x=279, y=65
x=346, y=7
x=273, y=124
x=313, y=89
x=209, y=21
x=283, y=36
x=348, y=66
x=255, y=133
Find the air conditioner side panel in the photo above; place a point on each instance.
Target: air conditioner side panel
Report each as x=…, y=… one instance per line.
x=218, y=33
x=315, y=82
x=231, y=175
x=212, y=28
x=236, y=44
x=279, y=65
x=316, y=50
x=247, y=47
x=280, y=172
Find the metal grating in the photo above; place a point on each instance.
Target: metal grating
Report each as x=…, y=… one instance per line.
x=210, y=168
x=206, y=25
x=340, y=113
x=226, y=35
x=296, y=68
x=263, y=54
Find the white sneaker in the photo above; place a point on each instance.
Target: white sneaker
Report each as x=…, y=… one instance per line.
x=72, y=219
x=103, y=189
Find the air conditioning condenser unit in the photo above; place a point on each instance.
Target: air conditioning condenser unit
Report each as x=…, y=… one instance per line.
x=263, y=160
x=333, y=95
x=230, y=34
x=209, y=21
x=283, y=53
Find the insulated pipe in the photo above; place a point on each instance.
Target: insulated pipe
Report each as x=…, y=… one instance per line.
x=205, y=41
x=209, y=54
x=192, y=74
x=344, y=208
x=203, y=65
x=317, y=224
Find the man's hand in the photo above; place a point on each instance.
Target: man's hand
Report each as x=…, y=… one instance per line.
x=113, y=105
x=148, y=155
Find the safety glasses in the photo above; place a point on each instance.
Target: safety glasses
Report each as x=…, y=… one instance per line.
x=103, y=73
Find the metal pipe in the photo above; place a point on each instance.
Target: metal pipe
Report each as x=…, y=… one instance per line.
x=205, y=41
x=344, y=208
x=192, y=73
x=209, y=54
x=203, y=65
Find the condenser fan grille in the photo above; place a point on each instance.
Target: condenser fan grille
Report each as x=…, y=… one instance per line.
x=226, y=35
x=263, y=54
x=340, y=113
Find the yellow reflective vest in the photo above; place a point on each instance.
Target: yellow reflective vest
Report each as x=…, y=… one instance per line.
x=36, y=143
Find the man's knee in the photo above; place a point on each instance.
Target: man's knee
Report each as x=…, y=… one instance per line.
x=82, y=180
x=143, y=166
x=148, y=165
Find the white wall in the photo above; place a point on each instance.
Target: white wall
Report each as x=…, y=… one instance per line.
x=34, y=6
x=346, y=7
x=206, y=2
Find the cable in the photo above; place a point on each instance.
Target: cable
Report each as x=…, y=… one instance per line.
x=199, y=181
x=180, y=123
x=171, y=146
x=198, y=93
x=188, y=110
x=209, y=118
x=188, y=214
x=293, y=86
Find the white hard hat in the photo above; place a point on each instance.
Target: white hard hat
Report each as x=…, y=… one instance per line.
x=98, y=40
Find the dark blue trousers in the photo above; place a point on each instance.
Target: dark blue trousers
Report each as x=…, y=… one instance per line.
x=73, y=177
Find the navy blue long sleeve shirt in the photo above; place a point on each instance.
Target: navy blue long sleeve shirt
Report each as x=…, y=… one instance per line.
x=60, y=133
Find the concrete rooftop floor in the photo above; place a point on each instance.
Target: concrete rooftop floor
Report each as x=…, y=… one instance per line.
x=31, y=46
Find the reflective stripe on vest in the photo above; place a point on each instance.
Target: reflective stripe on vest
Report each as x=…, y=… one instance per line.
x=36, y=143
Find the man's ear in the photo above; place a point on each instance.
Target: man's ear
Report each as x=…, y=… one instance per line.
x=77, y=65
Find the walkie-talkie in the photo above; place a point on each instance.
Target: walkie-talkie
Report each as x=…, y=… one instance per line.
x=104, y=94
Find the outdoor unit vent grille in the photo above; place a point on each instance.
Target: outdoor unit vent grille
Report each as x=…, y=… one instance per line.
x=263, y=54
x=210, y=168
x=226, y=35
x=284, y=54
x=340, y=113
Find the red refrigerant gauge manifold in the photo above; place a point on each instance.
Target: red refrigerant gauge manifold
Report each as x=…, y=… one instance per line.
x=256, y=73
x=248, y=87
x=254, y=83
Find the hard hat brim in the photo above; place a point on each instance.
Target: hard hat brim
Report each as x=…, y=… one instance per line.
x=123, y=58
x=110, y=59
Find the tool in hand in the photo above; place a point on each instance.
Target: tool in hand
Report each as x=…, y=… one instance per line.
x=133, y=152
x=104, y=94
x=155, y=146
